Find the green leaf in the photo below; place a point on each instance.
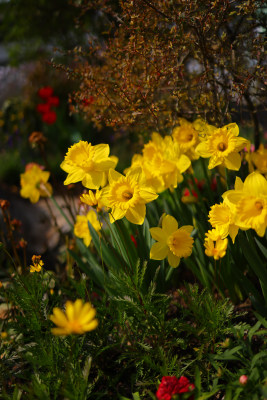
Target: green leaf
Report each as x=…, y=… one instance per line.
x=92, y=269
x=121, y=240
x=257, y=357
x=109, y=254
x=261, y=319
x=253, y=330
x=261, y=247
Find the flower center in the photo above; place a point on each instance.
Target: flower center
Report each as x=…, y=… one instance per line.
x=222, y=146
x=75, y=326
x=259, y=205
x=127, y=195
x=87, y=165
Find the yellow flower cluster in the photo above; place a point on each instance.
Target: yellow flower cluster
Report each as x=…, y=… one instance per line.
x=37, y=264
x=34, y=183
x=123, y=195
x=248, y=203
x=162, y=162
x=244, y=208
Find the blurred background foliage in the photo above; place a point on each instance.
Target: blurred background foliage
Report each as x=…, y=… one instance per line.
x=130, y=68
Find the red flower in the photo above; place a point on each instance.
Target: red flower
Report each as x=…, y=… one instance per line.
x=243, y=379
x=45, y=92
x=49, y=117
x=213, y=184
x=134, y=240
x=187, y=193
x=43, y=108
x=170, y=386
x=53, y=101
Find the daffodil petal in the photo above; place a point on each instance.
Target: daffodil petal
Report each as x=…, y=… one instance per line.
x=101, y=151
x=114, y=175
x=255, y=184
x=169, y=224
x=202, y=150
x=187, y=228
x=158, y=234
x=159, y=251
x=75, y=176
x=136, y=214
x=148, y=195
x=173, y=260
x=233, y=161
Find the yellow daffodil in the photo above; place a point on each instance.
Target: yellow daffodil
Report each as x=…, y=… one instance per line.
x=221, y=218
x=171, y=242
x=203, y=128
x=222, y=146
x=259, y=159
x=215, y=246
x=162, y=163
x=81, y=229
x=249, y=202
x=127, y=195
x=78, y=319
x=92, y=199
x=37, y=264
x=34, y=183
x=88, y=164
x=187, y=137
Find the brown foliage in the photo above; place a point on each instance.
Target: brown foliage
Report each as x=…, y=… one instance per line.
x=162, y=59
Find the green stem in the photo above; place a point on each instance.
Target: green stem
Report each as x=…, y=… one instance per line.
x=227, y=178
x=61, y=211
x=204, y=168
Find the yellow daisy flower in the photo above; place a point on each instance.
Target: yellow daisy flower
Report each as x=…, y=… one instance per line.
x=78, y=319
x=221, y=218
x=127, y=196
x=215, y=246
x=34, y=183
x=81, y=229
x=249, y=201
x=37, y=264
x=171, y=242
x=88, y=164
x=222, y=147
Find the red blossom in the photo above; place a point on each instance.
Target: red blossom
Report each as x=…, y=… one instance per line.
x=43, y=108
x=45, y=92
x=213, y=184
x=53, y=101
x=49, y=117
x=243, y=379
x=188, y=192
x=170, y=385
x=134, y=240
